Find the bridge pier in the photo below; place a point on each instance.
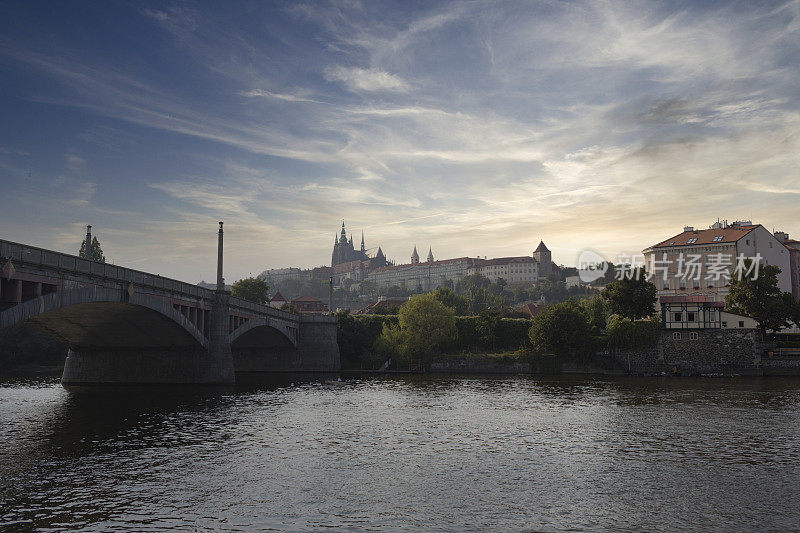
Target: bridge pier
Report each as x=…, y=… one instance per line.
x=151, y=366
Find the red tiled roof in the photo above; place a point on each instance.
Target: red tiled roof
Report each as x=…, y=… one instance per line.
x=278, y=297
x=706, y=236
x=435, y=263
x=505, y=260
x=792, y=244
x=306, y=299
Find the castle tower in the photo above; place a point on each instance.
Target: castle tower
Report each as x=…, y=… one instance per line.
x=430, y=255
x=414, y=257
x=543, y=257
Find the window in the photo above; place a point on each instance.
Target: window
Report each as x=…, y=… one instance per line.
x=690, y=316
x=747, y=242
x=692, y=240
x=693, y=336
x=741, y=323
x=724, y=324
x=678, y=317
x=718, y=238
x=676, y=336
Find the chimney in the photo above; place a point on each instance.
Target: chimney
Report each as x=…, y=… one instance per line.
x=688, y=228
x=782, y=236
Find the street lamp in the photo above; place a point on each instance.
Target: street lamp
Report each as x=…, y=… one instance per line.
x=330, y=295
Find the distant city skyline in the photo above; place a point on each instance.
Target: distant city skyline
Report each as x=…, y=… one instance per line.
x=471, y=128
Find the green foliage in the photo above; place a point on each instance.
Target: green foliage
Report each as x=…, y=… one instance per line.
x=251, y=289
x=562, y=329
x=367, y=288
x=597, y=312
x=389, y=346
x=625, y=333
x=552, y=291
x=759, y=296
x=633, y=296
x=357, y=336
x=472, y=281
x=426, y=326
x=95, y=253
x=394, y=291
x=454, y=301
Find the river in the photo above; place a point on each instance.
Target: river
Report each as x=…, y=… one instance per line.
x=420, y=453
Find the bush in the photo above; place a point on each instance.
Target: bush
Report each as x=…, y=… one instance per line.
x=623, y=333
x=562, y=329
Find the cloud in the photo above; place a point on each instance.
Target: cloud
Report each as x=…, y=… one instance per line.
x=475, y=128
x=371, y=80
x=258, y=93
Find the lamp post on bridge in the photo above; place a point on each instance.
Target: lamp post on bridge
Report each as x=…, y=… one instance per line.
x=330, y=296
x=87, y=254
x=220, y=279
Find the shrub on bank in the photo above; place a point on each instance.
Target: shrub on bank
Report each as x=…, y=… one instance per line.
x=623, y=333
x=363, y=344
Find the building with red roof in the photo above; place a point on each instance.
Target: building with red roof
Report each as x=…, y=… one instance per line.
x=700, y=262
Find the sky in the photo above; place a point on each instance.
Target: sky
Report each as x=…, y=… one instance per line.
x=474, y=128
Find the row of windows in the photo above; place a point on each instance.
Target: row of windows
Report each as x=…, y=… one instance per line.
x=693, y=336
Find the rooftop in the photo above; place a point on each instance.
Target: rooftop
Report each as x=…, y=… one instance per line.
x=696, y=237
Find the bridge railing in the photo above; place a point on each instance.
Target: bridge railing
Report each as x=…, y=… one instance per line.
x=22, y=254
x=262, y=309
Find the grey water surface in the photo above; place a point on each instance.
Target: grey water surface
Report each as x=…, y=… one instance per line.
x=417, y=453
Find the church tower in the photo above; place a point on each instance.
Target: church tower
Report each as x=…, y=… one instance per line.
x=414, y=257
x=430, y=255
x=542, y=256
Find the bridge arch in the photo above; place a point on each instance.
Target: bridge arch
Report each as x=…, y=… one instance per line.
x=261, y=333
x=99, y=317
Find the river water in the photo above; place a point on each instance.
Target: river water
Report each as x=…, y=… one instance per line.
x=454, y=453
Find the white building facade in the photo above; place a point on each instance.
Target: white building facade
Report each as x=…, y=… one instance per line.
x=700, y=262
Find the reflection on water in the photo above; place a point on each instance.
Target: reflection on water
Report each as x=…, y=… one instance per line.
x=419, y=453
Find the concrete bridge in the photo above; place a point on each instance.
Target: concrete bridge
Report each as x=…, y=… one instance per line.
x=127, y=326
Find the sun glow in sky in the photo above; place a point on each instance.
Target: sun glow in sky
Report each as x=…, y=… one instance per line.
x=476, y=128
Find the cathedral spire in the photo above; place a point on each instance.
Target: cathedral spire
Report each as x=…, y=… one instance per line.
x=344, y=233
x=430, y=255
x=362, y=241
x=414, y=256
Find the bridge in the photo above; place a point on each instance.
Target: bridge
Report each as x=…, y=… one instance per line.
x=127, y=326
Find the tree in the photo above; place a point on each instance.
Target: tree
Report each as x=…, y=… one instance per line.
x=452, y=300
x=757, y=295
x=596, y=312
x=426, y=325
x=562, y=329
x=632, y=296
x=95, y=253
x=486, y=326
x=367, y=288
x=251, y=289
x=471, y=282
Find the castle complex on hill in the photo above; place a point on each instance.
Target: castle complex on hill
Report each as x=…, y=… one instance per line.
x=350, y=265
x=356, y=265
